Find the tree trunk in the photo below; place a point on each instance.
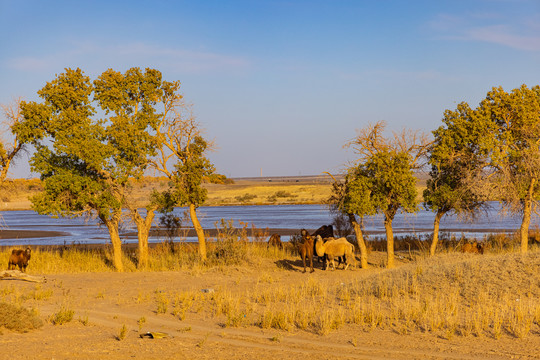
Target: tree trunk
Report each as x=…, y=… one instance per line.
x=360, y=239
x=143, y=229
x=199, y=230
x=112, y=226
x=389, y=241
x=436, y=224
x=526, y=221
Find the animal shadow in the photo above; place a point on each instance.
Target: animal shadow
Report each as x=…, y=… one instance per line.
x=293, y=265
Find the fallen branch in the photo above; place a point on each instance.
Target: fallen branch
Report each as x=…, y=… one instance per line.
x=19, y=275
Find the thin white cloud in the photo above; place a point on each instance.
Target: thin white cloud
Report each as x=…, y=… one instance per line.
x=520, y=33
x=184, y=60
x=503, y=35
x=96, y=56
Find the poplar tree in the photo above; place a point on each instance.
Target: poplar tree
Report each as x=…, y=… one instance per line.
x=15, y=142
x=457, y=159
x=514, y=127
x=383, y=180
x=86, y=161
x=183, y=159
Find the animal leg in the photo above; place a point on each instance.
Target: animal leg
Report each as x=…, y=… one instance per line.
x=333, y=264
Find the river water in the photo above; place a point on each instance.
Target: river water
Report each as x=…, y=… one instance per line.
x=83, y=231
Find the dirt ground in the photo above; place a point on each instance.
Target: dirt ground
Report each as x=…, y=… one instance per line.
x=104, y=302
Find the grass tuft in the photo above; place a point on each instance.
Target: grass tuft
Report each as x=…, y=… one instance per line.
x=19, y=319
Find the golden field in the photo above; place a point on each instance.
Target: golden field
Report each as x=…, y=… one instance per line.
x=247, y=191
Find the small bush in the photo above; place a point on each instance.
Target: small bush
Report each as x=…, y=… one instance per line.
x=63, y=316
x=162, y=301
x=245, y=197
x=18, y=319
x=122, y=333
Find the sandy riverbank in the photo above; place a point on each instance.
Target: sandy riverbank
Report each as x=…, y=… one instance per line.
x=104, y=303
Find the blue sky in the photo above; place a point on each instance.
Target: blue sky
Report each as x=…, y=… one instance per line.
x=282, y=85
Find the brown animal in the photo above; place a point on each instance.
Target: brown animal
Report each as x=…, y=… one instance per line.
x=275, y=240
x=474, y=248
x=19, y=258
x=306, y=249
x=325, y=232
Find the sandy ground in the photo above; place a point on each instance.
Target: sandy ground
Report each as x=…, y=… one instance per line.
x=111, y=300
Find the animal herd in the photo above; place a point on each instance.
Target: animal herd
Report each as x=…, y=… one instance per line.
x=323, y=245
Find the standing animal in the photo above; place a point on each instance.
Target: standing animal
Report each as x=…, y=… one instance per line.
x=325, y=231
x=474, y=248
x=335, y=248
x=306, y=249
x=340, y=259
x=275, y=240
x=19, y=258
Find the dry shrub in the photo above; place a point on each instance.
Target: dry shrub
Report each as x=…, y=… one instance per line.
x=63, y=316
x=16, y=318
x=501, y=242
x=234, y=246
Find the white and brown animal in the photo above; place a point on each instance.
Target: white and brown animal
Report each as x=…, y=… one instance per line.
x=335, y=248
x=19, y=258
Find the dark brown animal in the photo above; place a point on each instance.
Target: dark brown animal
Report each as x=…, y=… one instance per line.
x=474, y=248
x=325, y=231
x=275, y=240
x=19, y=258
x=306, y=249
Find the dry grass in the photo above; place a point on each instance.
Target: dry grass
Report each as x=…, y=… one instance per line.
x=450, y=295
x=17, y=318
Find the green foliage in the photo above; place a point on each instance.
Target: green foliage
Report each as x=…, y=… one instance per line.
x=191, y=169
x=393, y=184
x=515, y=129
x=87, y=161
x=488, y=152
x=457, y=158
x=383, y=180
x=383, y=184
